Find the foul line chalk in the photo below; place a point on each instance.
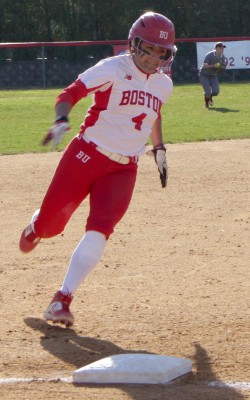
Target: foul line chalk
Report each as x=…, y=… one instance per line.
x=28, y=380
x=215, y=384
x=233, y=385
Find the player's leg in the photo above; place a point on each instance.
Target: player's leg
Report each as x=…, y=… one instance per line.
x=205, y=82
x=109, y=200
x=85, y=257
x=69, y=186
x=215, y=87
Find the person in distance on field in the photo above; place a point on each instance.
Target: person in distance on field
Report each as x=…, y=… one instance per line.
x=101, y=161
x=213, y=64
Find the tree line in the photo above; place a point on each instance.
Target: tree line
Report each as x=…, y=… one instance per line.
x=87, y=20
x=67, y=20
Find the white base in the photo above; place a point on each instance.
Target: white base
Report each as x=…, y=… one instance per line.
x=133, y=368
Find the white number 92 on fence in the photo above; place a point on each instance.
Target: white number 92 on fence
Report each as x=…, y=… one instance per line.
x=237, y=53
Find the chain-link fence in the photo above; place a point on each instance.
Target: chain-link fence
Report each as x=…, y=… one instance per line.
x=56, y=65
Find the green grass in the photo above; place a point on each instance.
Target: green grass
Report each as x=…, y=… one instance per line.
x=187, y=120
x=26, y=116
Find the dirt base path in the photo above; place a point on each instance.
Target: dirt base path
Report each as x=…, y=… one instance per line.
x=174, y=280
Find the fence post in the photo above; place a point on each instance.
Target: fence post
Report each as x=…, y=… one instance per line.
x=43, y=68
x=233, y=76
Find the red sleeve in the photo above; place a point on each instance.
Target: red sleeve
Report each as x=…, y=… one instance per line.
x=73, y=93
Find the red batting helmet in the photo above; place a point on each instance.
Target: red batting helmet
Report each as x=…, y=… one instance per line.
x=155, y=29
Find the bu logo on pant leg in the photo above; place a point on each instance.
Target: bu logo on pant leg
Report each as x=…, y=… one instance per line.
x=83, y=157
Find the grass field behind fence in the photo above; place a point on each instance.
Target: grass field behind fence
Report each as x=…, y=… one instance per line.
x=26, y=115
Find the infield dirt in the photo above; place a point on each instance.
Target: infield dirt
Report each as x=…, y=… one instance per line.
x=174, y=279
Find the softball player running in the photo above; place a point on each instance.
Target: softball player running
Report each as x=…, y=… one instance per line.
x=101, y=161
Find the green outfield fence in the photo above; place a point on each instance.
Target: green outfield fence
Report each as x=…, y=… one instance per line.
x=56, y=64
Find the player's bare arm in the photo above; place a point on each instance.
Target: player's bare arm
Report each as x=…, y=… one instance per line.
x=159, y=151
x=63, y=109
x=156, y=133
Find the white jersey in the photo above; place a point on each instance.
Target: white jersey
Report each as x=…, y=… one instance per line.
x=126, y=103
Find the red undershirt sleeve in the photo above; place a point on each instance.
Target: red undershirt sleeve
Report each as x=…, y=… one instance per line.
x=73, y=93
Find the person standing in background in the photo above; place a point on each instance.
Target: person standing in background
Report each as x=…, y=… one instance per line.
x=213, y=64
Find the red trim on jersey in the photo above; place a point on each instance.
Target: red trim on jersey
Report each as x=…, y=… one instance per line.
x=100, y=104
x=75, y=92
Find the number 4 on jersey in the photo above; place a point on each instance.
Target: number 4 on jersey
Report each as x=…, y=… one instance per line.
x=138, y=121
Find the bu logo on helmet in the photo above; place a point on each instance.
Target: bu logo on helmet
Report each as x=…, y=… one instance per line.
x=163, y=35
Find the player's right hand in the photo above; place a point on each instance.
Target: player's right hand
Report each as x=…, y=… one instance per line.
x=56, y=133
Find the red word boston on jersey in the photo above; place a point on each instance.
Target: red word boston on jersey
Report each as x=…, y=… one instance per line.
x=142, y=98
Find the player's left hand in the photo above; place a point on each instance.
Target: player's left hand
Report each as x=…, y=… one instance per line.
x=159, y=153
